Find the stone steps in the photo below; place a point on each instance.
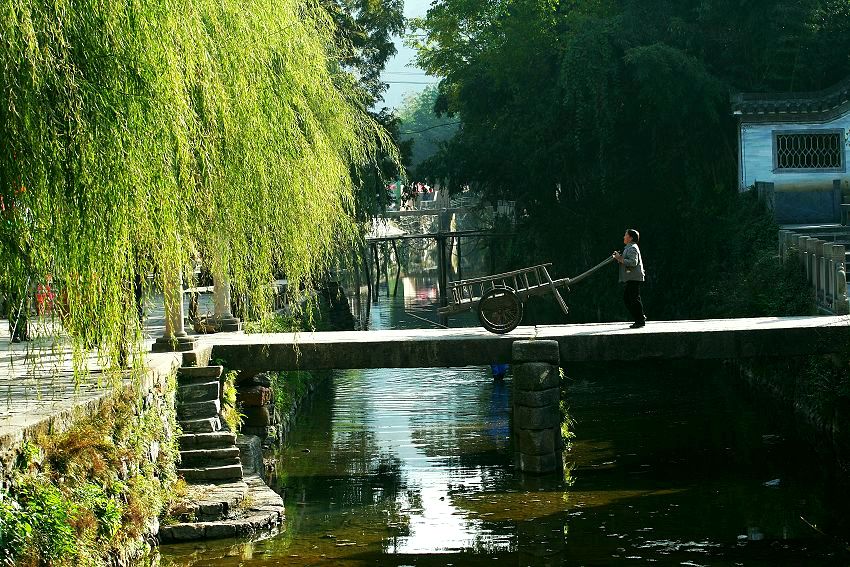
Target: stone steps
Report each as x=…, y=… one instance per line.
x=210, y=457
x=198, y=392
x=198, y=410
x=198, y=374
x=206, y=425
x=259, y=509
x=218, y=439
x=220, y=502
x=211, y=502
x=211, y=473
x=207, y=454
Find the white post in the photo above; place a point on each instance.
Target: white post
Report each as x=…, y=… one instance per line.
x=174, y=338
x=820, y=271
x=223, y=320
x=840, y=304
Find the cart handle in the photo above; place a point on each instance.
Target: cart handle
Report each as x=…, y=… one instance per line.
x=581, y=276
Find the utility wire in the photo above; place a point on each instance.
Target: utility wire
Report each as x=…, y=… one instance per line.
x=430, y=128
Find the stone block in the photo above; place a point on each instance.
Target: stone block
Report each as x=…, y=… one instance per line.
x=199, y=392
x=250, y=453
x=536, y=418
x=254, y=396
x=181, y=532
x=257, y=416
x=192, y=441
x=198, y=374
x=198, y=410
x=536, y=351
x=540, y=464
x=535, y=376
x=219, y=530
x=213, y=510
x=538, y=441
x=202, y=457
x=248, y=379
x=537, y=398
x=228, y=472
x=206, y=425
x=175, y=344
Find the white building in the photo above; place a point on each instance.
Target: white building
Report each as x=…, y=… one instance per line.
x=794, y=148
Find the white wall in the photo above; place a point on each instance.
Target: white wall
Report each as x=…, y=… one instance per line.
x=756, y=161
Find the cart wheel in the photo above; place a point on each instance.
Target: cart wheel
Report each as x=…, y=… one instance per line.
x=500, y=310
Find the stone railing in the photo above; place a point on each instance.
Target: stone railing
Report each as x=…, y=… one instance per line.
x=825, y=267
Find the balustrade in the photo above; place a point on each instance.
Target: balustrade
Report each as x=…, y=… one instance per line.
x=825, y=266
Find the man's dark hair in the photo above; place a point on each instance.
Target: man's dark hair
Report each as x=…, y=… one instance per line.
x=634, y=234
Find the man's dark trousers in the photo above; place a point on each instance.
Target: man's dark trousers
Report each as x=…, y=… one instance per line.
x=631, y=297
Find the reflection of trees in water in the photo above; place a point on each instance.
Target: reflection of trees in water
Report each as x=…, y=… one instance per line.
x=473, y=428
x=346, y=482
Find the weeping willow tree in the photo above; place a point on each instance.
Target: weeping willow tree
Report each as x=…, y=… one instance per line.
x=136, y=135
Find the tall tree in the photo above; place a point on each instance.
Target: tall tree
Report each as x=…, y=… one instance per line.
x=598, y=116
x=134, y=135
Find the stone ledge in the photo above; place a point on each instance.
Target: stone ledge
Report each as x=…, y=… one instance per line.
x=198, y=392
x=200, y=426
x=263, y=512
x=536, y=351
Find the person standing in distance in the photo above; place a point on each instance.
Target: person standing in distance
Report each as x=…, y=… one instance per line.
x=632, y=274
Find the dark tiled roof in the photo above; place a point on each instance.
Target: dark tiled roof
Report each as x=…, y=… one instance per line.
x=812, y=105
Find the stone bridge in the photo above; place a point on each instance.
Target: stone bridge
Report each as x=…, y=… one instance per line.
x=535, y=353
x=426, y=348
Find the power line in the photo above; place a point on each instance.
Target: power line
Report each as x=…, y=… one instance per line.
x=411, y=82
x=430, y=128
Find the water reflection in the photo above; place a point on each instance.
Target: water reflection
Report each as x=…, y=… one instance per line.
x=672, y=465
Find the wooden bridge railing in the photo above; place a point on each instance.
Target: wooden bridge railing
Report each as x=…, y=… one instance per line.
x=825, y=265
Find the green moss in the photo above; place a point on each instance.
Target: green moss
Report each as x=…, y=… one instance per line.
x=229, y=407
x=289, y=386
x=79, y=496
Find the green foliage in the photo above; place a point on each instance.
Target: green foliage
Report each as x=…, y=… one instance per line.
x=288, y=387
x=600, y=116
x=122, y=153
x=78, y=496
x=38, y=522
x=229, y=407
x=423, y=127
x=363, y=31
x=275, y=323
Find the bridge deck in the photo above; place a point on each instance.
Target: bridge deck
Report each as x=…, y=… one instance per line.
x=703, y=339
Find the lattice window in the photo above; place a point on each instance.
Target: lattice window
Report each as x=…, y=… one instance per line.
x=822, y=150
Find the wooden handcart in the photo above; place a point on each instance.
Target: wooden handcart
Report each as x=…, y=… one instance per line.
x=499, y=298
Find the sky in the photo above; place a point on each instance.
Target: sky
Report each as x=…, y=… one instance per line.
x=403, y=77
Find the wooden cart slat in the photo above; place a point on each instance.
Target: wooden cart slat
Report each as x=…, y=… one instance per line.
x=464, y=297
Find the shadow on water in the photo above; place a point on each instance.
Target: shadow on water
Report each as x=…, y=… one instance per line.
x=672, y=464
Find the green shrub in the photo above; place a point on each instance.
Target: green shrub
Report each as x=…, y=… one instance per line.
x=229, y=407
x=78, y=496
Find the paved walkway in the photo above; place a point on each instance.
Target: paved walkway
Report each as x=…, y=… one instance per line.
x=37, y=381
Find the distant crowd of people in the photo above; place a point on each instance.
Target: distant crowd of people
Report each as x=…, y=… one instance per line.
x=406, y=195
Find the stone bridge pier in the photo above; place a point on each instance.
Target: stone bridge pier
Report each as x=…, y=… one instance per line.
x=536, y=411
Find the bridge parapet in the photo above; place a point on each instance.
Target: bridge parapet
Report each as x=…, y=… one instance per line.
x=825, y=264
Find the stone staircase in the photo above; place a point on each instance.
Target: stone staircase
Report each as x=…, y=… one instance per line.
x=220, y=502
x=206, y=452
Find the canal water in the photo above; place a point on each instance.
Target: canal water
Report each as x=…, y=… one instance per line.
x=671, y=464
